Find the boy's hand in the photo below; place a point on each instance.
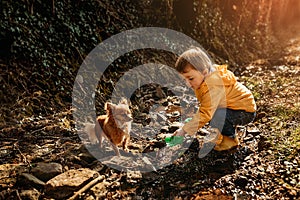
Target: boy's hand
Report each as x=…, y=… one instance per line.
x=179, y=132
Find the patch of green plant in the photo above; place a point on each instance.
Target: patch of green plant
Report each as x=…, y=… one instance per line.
x=285, y=132
x=285, y=113
x=254, y=84
x=50, y=41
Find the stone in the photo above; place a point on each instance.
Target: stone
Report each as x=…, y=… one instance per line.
x=100, y=189
x=30, y=194
x=164, y=129
x=161, y=117
x=65, y=184
x=46, y=171
x=87, y=157
x=8, y=174
x=174, y=126
x=26, y=179
x=241, y=181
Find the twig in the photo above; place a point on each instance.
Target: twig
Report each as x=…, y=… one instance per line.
x=22, y=155
x=18, y=195
x=86, y=187
x=37, y=130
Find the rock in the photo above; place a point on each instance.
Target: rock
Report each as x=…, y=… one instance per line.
x=46, y=171
x=174, y=126
x=26, y=179
x=261, y=115
x=210, y=196
x=293, y=192
x=176, y=114
x=30, y=194
x=121, y=162
x=164, y=129
x=241, y=181
x=65, y=184
x=159, y=93
x=87, y=157
x=100, y=190
x=249, y=137
x=253, y=131
x=172, y=108
x=263, y=143
x=133, y=176
x=8, y=174
x=161, y=117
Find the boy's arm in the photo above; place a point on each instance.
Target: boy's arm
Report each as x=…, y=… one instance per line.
x=179, y=132
x=192, y=126
x=210, y=101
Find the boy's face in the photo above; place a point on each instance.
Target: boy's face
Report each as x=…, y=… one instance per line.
x=193, y=77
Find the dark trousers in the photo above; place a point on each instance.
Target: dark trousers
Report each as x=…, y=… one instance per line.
x=226, y=120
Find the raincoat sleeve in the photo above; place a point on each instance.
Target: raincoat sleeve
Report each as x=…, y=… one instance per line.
x=211, y=98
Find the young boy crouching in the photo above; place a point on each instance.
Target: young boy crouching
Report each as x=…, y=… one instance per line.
x=224, y=102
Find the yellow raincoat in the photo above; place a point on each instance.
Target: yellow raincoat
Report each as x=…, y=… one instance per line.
x=220, y=89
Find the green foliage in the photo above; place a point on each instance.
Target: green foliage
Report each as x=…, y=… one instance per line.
x=231, y=31
x=285, y=113
x=50, y=41
x=51, y=38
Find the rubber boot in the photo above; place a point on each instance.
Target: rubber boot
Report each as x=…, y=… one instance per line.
x=213, y=135
x=227, y=143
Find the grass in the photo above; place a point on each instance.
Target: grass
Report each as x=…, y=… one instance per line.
x=285, y=131
x=287, y=113
x=276, y=95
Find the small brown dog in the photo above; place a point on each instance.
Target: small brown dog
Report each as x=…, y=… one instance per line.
x=115, y=125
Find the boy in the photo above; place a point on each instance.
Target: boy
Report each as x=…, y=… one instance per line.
x=224, y=102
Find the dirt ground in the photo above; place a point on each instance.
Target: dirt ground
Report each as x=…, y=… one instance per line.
x=265, y=166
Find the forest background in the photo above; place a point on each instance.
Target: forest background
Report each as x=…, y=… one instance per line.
x=43, y=44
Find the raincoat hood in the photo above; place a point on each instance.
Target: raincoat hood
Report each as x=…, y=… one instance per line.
x=221, y=76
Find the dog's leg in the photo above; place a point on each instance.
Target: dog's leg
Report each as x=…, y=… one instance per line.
x=99, y=133
x=125, y=143
x=115, y=149
x=90, y=130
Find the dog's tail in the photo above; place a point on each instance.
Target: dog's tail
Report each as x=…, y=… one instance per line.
x=89, y=129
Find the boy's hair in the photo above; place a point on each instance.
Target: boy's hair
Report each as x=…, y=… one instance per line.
x=196, y=57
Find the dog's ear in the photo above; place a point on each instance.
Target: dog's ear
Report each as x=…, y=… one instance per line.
x=123, y=101
x=108, y=107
